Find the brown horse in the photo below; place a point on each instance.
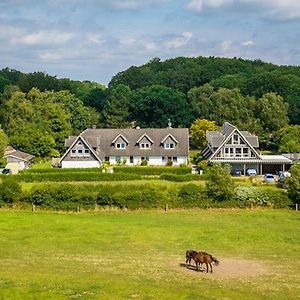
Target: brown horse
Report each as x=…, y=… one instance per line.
x=189, y=256
x=204, y=258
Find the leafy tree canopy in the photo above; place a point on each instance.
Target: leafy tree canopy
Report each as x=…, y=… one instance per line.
x=198, y=132
x=152, y=107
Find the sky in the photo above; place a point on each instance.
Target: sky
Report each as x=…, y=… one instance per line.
x=95, y=39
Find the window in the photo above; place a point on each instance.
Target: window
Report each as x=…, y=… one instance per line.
x=73, y=153
x=175, y=159
x=121, y=146
x=80, y=152
x=169, y=146
x=238, y=152
x=86, y=152
x=118, y=159
x=106, y=158
x=163, y=159
x=235, y=139
x=145, y=146
x=131, y=159
x=245, y=152
x=231, y=152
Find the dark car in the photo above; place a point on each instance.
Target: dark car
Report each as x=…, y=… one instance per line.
x=236, y=173
x=6, y=172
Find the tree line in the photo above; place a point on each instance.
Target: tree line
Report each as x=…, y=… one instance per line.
x=37, y=111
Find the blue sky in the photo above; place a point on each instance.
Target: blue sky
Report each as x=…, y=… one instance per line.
x=95, y=39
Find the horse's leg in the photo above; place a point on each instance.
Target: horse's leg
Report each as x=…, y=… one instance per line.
x=206, y=267
x=210, y=268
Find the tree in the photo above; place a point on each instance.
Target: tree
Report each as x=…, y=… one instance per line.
x=198, y=132
x=289, y=139
x=152, y=107
x=115, y=113
x=293, y=184
x=3, y=145
x=39, y=122
x=220, y=186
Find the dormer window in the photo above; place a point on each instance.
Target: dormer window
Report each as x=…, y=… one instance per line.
x=169, y=145
x=145, y=146
x=120, y=145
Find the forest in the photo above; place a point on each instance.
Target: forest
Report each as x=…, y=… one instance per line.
x=38, y=111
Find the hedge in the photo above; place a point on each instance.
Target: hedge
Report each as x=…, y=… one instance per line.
x=59, y=170
x=144, y=170
x=75, y=176
x=134, y=196
x=182, y=178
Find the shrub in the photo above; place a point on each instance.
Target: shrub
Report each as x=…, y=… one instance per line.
x=75, y=176
x=220, y=185
x=10, y=189
x=169, y=163
x=151, y=170
x=250, y=195
x=293, y=184
x=181, y=178
x=144, y=162
x=192, y=195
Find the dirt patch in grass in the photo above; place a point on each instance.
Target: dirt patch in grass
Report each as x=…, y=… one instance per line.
x=230, y=268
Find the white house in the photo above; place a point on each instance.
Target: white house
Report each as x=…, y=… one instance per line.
x=127, y=146
x=240, y=149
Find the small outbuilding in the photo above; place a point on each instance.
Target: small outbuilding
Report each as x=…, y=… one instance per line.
x=18, y=159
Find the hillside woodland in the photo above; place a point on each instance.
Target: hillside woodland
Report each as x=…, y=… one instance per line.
x=37, y=110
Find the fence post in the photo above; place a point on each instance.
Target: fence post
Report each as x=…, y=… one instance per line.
x=296, y=206
x=166, y=207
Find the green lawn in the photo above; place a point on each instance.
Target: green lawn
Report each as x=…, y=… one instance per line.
x=137, y=254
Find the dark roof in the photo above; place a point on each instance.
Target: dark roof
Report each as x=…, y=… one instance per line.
x=102, y=139
x=216, y=138
x=18, y=154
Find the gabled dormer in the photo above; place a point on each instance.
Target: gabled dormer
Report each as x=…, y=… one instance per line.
x=144, y=142
x=169, y=142
x=235, y=145
x=120, y=142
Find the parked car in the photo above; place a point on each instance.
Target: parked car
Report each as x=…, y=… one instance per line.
x=236, y=173
x=251, y=172
x=269, y=178
x=6, y=171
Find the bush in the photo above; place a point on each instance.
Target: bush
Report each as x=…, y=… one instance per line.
x=151, y=170
x=220, y=185
x=181, y=178
x=144, y=162
x=10, y=189
x=59, y=170
x=75, y=176
x=276, y=198
x=293, y=184
x=192, y=195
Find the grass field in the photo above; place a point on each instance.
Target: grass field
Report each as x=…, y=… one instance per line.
x=140, y=254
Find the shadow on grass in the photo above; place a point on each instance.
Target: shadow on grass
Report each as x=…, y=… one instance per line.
x=191, y=267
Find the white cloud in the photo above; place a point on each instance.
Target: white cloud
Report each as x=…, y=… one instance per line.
x=280, y=9
x=248, y=43
x=179, y=41
x=96, y=38
x=50, y=56
x=44, y=38
x=199, y=5
x=226, y=46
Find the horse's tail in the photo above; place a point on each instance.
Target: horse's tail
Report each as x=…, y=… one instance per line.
x=216, y=262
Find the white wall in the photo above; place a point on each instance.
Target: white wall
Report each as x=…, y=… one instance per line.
x=80, y=164
x=153, y=160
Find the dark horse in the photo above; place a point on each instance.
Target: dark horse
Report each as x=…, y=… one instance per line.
x=204, y=258
x=190, y=254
